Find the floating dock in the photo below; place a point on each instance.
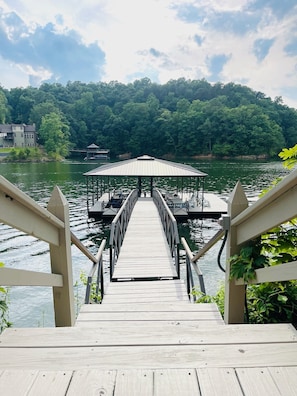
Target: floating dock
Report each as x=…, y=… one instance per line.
x=212, y=206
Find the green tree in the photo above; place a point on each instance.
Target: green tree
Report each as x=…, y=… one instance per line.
x=3, y=107
x=54, y=133
x=40, y=110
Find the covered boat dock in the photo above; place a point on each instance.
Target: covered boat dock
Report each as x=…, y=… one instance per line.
x=182, y=187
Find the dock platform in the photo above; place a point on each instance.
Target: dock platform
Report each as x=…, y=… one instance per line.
x=213, y=207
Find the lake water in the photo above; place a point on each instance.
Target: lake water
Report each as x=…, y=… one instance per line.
x=32, y=306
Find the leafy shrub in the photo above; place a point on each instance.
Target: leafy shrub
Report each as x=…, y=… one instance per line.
x=271, y=302
x=4, y=322
x=274, y=302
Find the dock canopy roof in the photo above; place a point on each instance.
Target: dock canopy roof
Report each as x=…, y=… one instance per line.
x=146, y=166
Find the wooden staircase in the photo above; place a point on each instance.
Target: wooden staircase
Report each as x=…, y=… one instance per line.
x=146, y=339
x=149, y=348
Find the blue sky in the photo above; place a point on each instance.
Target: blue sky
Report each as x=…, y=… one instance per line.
x=250, y=42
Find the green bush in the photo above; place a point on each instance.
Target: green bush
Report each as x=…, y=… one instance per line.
x=4, y=322
x=271, y=302
x=274, y=302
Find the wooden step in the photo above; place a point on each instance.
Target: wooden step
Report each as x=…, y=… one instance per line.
x=161, y=307
x=159, y=345
x=149, y=356
x=146, y=292
x=152, y=333
x=91, y=315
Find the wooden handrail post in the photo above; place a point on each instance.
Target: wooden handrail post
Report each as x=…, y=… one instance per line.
x=61, y=262
x=234, y=295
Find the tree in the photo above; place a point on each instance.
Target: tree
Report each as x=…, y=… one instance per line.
x=181, y=117
x=40, y=110
x=54, y=133
x=3, y=108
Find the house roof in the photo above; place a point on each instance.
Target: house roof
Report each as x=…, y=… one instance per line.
x=5, y=128
x=146, y=166
x=8, y=127
x=93, y=146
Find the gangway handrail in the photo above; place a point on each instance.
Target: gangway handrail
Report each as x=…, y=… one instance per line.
x=170, y=227
x=189, y=274
x=98, y=265
x=118, y=228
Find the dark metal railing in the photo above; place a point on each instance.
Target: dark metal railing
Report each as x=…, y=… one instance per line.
x=189, y=273
x=118, y=228
x=170, y=227
x=99, y=284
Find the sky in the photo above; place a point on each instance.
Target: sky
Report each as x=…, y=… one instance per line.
x=248, y=42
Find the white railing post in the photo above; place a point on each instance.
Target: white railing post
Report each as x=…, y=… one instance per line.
x=234, y=295
x=61, y=262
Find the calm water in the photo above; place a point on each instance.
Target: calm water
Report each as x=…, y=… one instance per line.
x=32, y=306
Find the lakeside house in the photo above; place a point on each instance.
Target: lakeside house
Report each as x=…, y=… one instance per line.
x=18, y=135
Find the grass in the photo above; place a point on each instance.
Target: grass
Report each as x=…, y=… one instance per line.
x=5, y=149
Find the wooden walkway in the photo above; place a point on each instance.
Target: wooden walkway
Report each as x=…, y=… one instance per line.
x=146, y=339
x=144, y=253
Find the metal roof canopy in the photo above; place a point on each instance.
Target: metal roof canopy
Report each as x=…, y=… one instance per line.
x=146, y=166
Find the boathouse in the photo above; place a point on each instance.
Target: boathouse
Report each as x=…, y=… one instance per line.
x=181, y=185
x=94, y=152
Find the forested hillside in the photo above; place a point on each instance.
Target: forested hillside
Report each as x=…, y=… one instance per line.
x=179, y=118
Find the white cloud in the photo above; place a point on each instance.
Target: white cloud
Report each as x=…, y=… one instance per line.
x=11, y=75
x=147, y=38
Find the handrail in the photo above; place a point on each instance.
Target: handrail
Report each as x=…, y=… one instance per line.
x=189, y=273
x=118, y=228
x=274, y=208
x=51, y=225
x=82, y=248
x=14, y=194
x=170, y=227
x=208, y=245
x=98, y=265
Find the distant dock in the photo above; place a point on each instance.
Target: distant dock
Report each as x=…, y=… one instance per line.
x=184, y=195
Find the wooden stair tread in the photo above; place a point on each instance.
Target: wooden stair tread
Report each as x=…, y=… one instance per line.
x=152, y=333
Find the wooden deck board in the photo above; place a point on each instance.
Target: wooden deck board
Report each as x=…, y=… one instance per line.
x=145, y=292
x=92, y=382
x=285, y=378
x=257, y=381
x=150, y=382
x=49, y=383
x=134, y=383
x=152, y=333
x=151, y=357
x=150, y=286
x=150, y=316
x=159, y=307
x=176, y=382
x=218, y=382
x=12, y=383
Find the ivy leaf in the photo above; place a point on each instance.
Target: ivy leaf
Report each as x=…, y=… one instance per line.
x=281, y=298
